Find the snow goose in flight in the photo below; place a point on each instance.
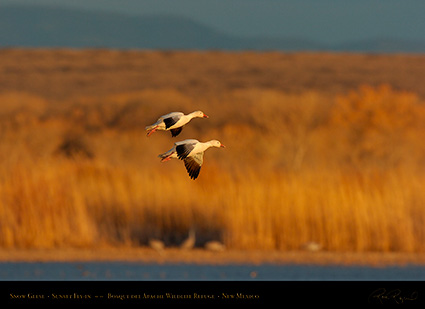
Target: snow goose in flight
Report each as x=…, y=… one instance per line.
x=191, y=151
x=173, y=122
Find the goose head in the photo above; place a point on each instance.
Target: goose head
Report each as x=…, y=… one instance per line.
x=216, y=143
x=199, y=114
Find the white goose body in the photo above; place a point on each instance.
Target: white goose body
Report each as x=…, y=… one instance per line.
x=191, y=151
x=173, y=122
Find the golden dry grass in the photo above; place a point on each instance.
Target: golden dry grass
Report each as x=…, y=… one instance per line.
x=344, y=169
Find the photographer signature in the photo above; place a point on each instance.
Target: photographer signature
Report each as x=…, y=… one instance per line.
x=382, y=296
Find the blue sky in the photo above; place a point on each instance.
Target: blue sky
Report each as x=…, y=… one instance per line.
x=328, y=21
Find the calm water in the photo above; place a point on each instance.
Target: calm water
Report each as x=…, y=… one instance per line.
x=138, y=271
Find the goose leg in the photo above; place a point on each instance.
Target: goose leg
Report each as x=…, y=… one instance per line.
x=167, y=157
x=151, y=131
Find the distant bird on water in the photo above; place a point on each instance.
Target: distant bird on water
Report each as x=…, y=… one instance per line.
x=189, y=242
x=156, y=244
x=215, y=246
x=191, y=151
x=173, y=122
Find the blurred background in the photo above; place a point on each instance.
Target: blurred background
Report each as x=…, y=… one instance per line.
x=320, y=106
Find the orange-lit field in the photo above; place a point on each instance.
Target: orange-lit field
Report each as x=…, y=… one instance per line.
x=325, y=148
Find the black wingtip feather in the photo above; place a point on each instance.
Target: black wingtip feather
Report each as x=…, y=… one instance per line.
x=170, y=122
x=192, y=168
x=182, y=151
x=175, y=132
x=194, y=174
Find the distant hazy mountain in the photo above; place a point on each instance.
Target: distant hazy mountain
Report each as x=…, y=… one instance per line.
x=31, y=26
